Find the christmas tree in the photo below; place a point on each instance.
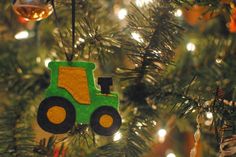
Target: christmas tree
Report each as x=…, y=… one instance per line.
x=173, y=63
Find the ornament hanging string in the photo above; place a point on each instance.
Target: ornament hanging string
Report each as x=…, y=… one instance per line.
x=73, y=29
x=69, y=57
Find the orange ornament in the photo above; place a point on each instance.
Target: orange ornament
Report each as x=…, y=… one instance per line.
x=232, y=23
x=196, y=14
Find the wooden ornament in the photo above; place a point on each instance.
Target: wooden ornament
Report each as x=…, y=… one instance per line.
x=72, y=97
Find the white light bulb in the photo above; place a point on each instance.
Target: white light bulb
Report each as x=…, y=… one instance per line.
x=218, y=60
x=209, y=118
x=171, y=155
x=47, y=61
x=122, y=13
x=162, y=133
x=81, y=40
x=209, y=115
x=137, y=37
x=117, y=136
x=22, y=35
x=191, y=47
x=38, y=59
x=178, y=13
x=141, y=3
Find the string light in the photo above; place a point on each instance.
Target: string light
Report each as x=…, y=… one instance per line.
x=136, y=36
x=141, y=3
x=117, y=136
x=171, y=155
x=19, y=70
x=209, y=115
x=209, y=118
x=38, y=59
x=178, y=13
x=81, y=40
x=161, y=135
x=122, y=13
x=86, y=56
x=218, y=60
x=22, y=35
x=47, y=61
x=191, y=47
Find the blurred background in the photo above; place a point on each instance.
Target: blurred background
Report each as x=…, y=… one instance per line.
x=173, y=64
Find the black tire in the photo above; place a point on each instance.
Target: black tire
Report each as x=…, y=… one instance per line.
x=98, y=128
x=45, y=123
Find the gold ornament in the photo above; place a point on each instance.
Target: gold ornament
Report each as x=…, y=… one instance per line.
x=33, y=10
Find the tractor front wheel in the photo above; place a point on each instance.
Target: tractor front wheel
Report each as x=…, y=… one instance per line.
x=56, y=115
x=105, y=121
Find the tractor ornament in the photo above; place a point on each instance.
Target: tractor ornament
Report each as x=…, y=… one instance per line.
x=72, y=97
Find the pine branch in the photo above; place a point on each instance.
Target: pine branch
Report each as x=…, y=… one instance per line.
x=152, y=50
x=47, y=148
x=80, y=140
x=96, y=37
x=213, y=66
x=16, y=138
x=158, y=33
x=17, y=78
x=135, y=136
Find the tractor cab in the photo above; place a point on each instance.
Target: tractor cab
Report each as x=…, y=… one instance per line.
x=73, y=97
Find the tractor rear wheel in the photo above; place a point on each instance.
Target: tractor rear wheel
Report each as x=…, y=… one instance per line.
x=105, y=121
x=56, y=115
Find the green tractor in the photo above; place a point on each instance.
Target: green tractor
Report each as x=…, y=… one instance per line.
x=72, y=97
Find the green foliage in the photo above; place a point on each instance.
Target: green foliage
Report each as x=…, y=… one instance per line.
x=152, y=88
x=47, y=148
x=96, y=38
x=158, y=34
x=16, y=135
x=135, y=135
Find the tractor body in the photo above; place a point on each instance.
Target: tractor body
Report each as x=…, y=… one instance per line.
x=74, y=81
